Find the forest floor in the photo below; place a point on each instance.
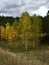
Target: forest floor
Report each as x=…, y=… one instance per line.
x=35, y=57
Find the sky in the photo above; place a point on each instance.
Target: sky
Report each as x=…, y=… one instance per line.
x=17, y=7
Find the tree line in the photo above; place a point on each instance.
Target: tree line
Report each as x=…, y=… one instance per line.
x=24, y=29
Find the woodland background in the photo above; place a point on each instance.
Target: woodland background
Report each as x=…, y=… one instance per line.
x=25, y=32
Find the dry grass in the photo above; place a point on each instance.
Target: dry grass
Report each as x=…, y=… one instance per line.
x=24, y=58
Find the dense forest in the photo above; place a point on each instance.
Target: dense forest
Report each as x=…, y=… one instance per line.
x=23, y=32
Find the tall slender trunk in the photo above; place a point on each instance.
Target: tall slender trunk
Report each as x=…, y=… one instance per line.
x=25, y=40
x=35, y=39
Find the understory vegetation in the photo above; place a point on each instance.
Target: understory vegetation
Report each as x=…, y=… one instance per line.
x=37, y=57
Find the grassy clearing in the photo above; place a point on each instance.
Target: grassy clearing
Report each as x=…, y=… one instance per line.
x=36, y=57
